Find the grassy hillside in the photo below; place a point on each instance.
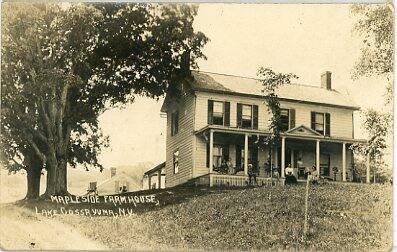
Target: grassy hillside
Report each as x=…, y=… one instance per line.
x=341, y=217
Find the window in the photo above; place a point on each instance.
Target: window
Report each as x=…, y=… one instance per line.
x=284, y=119
x=176, y=161
x=246, y=116
x=217, y=114
x=319, y=123
x=217, y=154
x=174, y=123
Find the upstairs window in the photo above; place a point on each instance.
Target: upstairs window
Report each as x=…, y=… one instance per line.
x=284, y=119
x=246, y=116
x=174, y=123
x=321, y=122
x=176, y=161
x=217, y=115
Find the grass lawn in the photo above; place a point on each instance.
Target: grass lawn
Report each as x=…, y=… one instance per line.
x=342, y=216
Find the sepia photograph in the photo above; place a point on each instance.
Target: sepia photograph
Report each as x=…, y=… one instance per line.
x=196, y=126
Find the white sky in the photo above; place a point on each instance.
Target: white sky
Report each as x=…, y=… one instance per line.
x=304, y=39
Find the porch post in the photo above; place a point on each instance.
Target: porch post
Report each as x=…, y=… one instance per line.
x=368, y=168
x=344, y=162
x=211, y=154
x=318, y=156
x=159, y=179
x=246, y=154
x=149, y=181
x=283, y=157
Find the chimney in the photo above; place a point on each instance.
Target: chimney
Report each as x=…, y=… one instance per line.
x=185, y=63
x=112, y=172
x=326, y=80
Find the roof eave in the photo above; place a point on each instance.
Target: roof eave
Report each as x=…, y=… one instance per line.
x=352, y=107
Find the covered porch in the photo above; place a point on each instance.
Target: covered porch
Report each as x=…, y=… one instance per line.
x=230, y=153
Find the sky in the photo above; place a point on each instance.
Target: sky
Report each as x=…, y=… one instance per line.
x=304, y=39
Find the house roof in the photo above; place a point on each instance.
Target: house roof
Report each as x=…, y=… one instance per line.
x=222, y=83
x=134, y=186
x=156, y=168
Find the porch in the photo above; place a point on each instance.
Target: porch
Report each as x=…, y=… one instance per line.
x=230, y=153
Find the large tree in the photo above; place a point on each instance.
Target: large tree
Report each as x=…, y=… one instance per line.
x=64, y=65
x=375, y=26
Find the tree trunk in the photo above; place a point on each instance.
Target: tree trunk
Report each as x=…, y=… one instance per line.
x=33, y=179
x=56, y=179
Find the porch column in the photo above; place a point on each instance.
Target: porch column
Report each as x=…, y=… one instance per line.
x=159, y=179
x=344, y=162
x=318, y=156
x=211, y=163
x=283, y=157
x=368, y=168
x=149, y=181
x=246, y=154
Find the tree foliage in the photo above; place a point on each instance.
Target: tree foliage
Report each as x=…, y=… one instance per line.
x=271, y=81
x=64, y=66
x=375, y=24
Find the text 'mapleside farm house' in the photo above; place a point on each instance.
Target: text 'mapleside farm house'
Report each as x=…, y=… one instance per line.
x=222, y=117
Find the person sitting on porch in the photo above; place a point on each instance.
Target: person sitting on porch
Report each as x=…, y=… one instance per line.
x=267, y=168
x=276, y=174
x=251, y=174
x=230, y=167
x=289, y=170
x=308, y=171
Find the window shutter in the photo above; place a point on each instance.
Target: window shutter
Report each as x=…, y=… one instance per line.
x=327, y=124
x=227, y=114
x=313, y=121
x=238, y=157
x=239, y=114
x=255, y=116
x=210, y=111
x=291, y=118
x=208, y=155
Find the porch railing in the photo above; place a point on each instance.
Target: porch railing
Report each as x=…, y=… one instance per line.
x=239, y=180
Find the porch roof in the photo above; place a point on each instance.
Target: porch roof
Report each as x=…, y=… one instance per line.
x=155, y=169
x=235, y=130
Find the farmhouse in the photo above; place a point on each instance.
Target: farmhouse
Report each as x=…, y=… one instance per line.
x=222, y=118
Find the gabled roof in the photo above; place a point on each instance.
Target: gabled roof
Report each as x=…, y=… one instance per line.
x=155, y=169
x=229, y=84
x=303, y=130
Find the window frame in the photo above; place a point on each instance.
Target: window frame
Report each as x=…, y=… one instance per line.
x=251, y=116
x=322, y=132
x=174, y=123
x=222, y=113
x=175, y=161
x=283, y=129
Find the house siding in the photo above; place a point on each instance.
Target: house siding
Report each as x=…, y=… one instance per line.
x=341, y=118
x=341, y=126
x=182, y=141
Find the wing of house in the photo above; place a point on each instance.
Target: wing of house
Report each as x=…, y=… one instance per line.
x=223, y=119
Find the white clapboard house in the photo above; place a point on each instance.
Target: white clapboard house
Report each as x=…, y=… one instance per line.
x=222, y=117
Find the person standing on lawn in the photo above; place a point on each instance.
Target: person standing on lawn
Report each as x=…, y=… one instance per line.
x=251, y=174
